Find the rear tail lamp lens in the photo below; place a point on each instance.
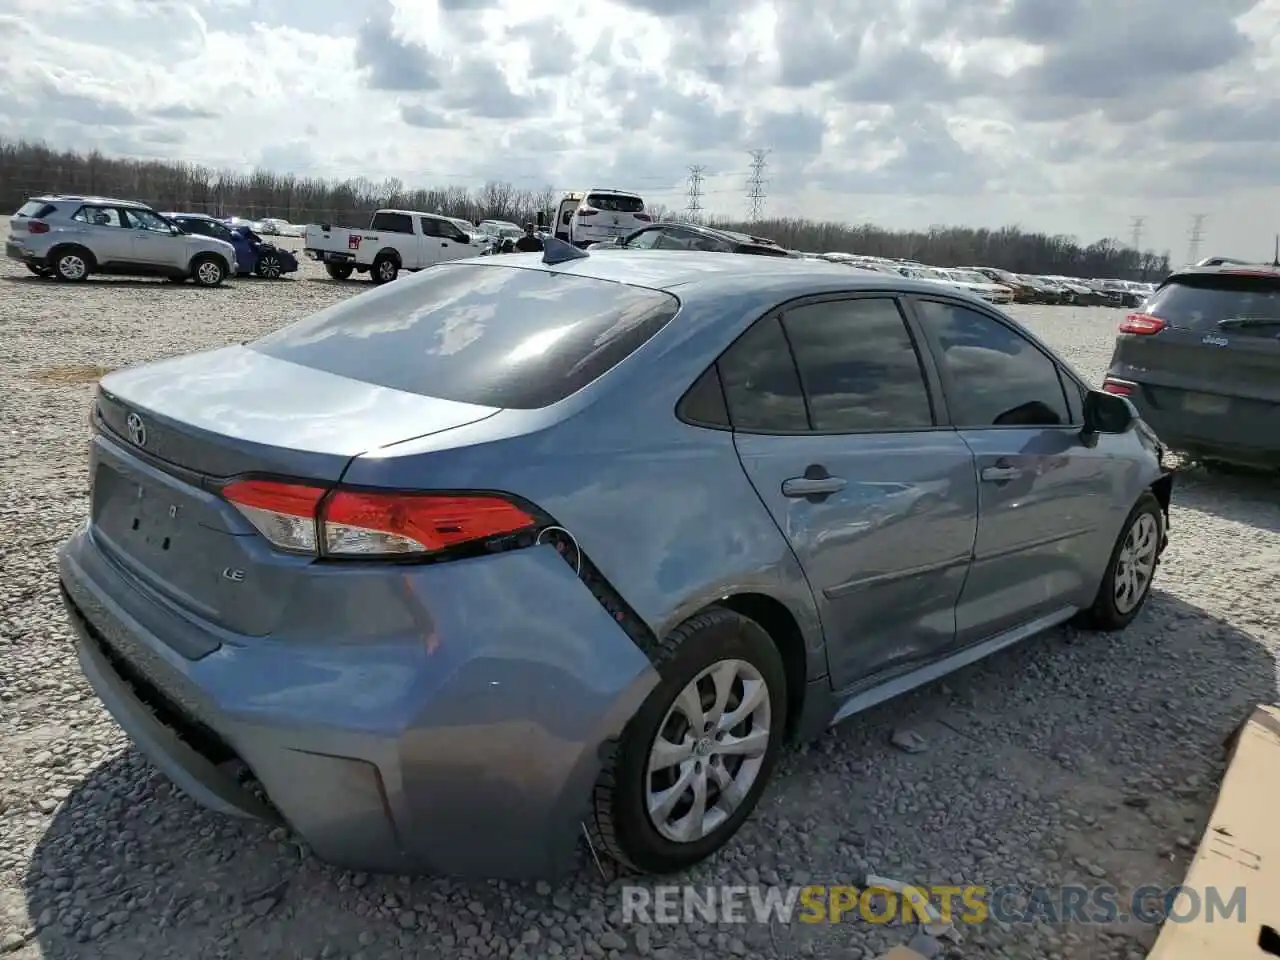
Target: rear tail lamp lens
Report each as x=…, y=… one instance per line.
x=301, y=518
x=1141, y=324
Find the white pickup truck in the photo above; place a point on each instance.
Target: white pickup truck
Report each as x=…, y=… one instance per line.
x=395, y=240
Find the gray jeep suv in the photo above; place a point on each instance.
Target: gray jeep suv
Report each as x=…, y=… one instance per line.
x=70, y=237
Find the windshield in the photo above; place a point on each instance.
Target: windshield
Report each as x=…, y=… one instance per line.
x=483, y=334
x=615, y=203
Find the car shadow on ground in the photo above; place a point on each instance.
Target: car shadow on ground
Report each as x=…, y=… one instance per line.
x=1241, y=495
x=1095, y=752
x=131, y=282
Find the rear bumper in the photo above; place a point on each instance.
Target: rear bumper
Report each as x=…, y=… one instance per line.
x=1225, y=437
x=468, y=748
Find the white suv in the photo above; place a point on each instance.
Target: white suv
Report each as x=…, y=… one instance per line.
x=607, y=214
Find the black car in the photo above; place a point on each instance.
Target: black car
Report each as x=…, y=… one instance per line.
x=692, y=236
x=1201, y=362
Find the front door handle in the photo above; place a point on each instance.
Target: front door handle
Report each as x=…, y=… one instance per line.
x=1000, y=474
x=812, y=487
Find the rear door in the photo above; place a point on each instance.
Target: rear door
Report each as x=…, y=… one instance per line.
x=1204, y=356
x=834, y=423
x=397, y=231
x=105, y=233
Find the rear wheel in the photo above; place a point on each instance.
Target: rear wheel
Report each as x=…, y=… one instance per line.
x=208, y=270
x=40, y=270
x=337, y=271
x=692, y=763
x=1126, y=585
x=71, y=264
x=385, y=269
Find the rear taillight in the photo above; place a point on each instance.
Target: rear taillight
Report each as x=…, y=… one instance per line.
x=37, y=226
x=643, y=217
x=1120, y=388
x=587, y=212
x=1141, y=323
x=307, y=519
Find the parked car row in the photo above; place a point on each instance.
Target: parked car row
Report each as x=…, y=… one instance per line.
x=71, y=237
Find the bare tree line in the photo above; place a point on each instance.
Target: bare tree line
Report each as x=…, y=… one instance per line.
x=29, y=168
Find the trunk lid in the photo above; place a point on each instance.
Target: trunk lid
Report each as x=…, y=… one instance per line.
x=169, y=434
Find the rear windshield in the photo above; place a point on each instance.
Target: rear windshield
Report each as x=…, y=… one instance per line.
x=486, y=334
x=35, y=208
x=614, y=203
x=1201, y=303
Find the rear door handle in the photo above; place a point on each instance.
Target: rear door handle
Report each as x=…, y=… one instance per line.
x=810, y=487
x=1000, y=474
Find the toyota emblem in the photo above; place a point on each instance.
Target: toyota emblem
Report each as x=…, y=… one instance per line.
x=137, y=430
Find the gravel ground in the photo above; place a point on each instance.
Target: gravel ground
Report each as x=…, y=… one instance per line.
x=1071, y=759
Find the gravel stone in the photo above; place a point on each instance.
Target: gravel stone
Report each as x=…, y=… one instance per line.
x=1070, y=758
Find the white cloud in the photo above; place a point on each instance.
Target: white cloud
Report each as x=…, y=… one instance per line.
x=1065, y=117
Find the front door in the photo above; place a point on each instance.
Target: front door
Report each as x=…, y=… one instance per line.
x=1042, y=493
x=105, y=233
x=432, y=247
x=878, y=503
x=154, y=243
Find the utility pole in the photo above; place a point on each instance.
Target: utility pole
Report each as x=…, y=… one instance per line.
x=756, y=184
x=1196, y=237
x=1136, y=225
x=695, y=192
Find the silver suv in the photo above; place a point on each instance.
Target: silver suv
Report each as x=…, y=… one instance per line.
x=68, y=238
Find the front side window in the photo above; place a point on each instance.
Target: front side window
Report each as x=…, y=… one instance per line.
x=994, y=375
x=146, y=220
x=858, y=366
x=645, y=239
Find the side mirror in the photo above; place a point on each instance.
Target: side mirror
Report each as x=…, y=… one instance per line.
x=1106, y=413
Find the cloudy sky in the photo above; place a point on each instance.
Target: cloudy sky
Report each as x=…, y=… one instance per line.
x=1070, y=116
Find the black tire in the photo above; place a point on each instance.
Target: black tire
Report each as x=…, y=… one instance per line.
x=40, y=270
x=1105, y=615
x=269, y=267
x=71, y=264
x=385, y=268
x=208, y=270
x=619, y=824
x=338, y=271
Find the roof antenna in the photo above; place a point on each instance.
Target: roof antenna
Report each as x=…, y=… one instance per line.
x=555, y=250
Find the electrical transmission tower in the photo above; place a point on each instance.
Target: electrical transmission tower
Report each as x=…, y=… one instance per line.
x=695, y=192
x=1137, y=225
x=756, y=184
x=1196, y=237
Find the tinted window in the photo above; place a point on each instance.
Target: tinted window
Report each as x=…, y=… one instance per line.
x=761, y=387
x=431, y=228
x=704, y=403
x=762, y=251
x=614, y=203
x=996, y=376
x=191, y=225
x=859, y=367
x=645, y=239
x=392, y=222
x=146, y=220
x=1200, y=304
x=490, y=335
x=35, y=208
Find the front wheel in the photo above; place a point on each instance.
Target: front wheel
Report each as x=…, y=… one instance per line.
x=692, y=763
x=1126, y=585
x=269, y=267
x=337, y=271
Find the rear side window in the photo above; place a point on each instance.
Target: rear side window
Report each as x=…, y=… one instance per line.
x=858, y=366
x=1202, y=303
x=614, y=203
x=35, y=209
x=491, y=335
x=761, y=386
x=392, y=222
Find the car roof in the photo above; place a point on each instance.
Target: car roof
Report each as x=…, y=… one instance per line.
x=615, y=191
x=192, y=216
x=81, y=198
x=1234, y=269
x=774, y=279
